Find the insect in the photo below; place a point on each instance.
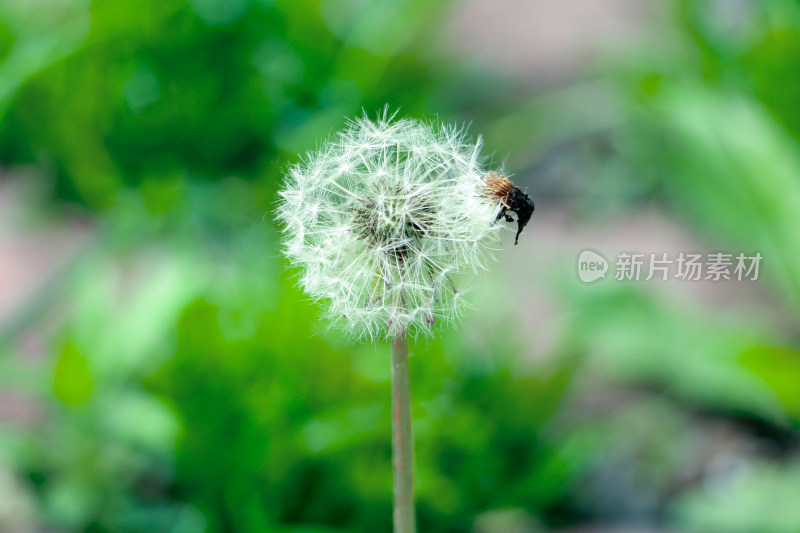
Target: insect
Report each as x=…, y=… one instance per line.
x=511, y=198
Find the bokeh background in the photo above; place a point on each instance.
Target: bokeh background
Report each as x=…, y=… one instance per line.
x=160, y=372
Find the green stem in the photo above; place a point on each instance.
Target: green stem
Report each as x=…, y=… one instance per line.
x=402, y=439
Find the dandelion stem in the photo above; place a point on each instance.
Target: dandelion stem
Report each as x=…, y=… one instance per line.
x=402, y=438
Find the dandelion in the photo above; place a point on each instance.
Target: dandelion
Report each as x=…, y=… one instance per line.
x=385, y=220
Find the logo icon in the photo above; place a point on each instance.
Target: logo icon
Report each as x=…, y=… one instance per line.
x=591, y=266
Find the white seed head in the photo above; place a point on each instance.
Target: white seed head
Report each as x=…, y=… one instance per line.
x=383, y=219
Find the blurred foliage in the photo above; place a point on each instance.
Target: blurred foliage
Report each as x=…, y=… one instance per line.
x=110, y=93
x=180, y=383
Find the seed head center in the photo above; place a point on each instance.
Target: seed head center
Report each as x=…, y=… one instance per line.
x=384, y=220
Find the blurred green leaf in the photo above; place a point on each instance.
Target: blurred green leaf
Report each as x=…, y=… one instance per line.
x=73, y=383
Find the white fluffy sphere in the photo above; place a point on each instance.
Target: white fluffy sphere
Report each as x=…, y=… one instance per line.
x=384, y=219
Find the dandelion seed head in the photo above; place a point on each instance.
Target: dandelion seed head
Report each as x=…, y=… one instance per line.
x=384, y=220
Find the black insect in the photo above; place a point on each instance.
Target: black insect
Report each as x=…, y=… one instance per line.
x=511, y=198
